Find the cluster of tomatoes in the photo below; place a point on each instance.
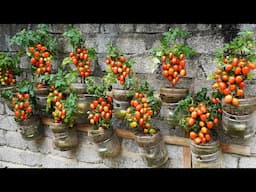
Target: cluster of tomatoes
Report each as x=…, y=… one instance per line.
x=119, y=67
x=22, y=106
x=230, y=79
x=200, y=122
x=100, y=112
x=80, y=59
x=40, y=59
x=7, y=77
x=173, y=67
x=140, y=113
x=56, y=97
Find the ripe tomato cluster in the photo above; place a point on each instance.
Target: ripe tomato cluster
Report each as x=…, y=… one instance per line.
x=118, y=67
x=59, y=112
x=40, y=59
x=81, y=60
x=200, y=122
x=140, y=113
x=230, y=79
x=173, y=67
x=7, y=77
x=100, y=112
x=22, y=106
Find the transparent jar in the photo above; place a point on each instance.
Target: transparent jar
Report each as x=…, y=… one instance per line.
x=119, y=108
x=31, y=128
x=121, y=95
x=246, y=106
x=83, y=105
x=240, y=127
x=41, y=91
x=110, y=147
x=152, y=149
x=167, y=114
x=65, y=140
x=58, y=127
x=206, y=155
x=79, y=88
x=41, y=102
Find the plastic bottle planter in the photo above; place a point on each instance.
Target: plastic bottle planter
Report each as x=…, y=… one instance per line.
x=206, y=155
x=109, y=145
x=119, y=108
x=65, y=137
x=239, y=127
x=83, y=104
x=41, y=97
x=80, y=88
x=30, y=129
x=152, y=149
x=239, y=122
x=167, y=114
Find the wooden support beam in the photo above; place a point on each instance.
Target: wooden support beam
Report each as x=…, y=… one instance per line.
x=236, y=149
x=186, y=157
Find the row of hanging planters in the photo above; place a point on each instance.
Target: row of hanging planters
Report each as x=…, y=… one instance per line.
x=70, y=96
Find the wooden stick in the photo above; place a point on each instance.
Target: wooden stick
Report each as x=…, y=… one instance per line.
x=186, y=157
x=236, y=149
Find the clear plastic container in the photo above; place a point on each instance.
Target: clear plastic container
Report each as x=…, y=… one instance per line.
x=66, y=140
x=206, y=155
x=30, y=129
x=109, y=148
x=152, y=149
x=239, y=127
x=41, y=102
x=121, y=95
x=119, y=108
x=167, y=114
x=246, y=106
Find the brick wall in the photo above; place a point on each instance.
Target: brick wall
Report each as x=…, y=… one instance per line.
x=135, y=40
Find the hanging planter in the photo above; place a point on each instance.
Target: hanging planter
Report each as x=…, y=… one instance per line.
x=79, y=88
x=119, y=108
x=152, y=149
x=239, y=126
x=206, y=155
x=30, y=129
x=83, y=105
x=108, y=143
x=65, y=138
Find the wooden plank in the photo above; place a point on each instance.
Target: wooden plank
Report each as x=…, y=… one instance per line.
x=176, y=140
x=236, y=149
x=186, y=157
x=125, y=133
x=83, y=128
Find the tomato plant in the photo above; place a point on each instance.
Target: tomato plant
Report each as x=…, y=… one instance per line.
x=172, y=55
x=81, y=55
x=235, y=62
x=9, y=68
x=200, y=114
x=118, y=65
x=23, y=101
x=39, y=45
x=143, y=107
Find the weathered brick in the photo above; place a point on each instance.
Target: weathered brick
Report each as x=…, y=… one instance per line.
x=2, y=111
x=127, y=160
x=90, y=41
x=8, y=123
x=176, y=156
x=247, y=26
x=14, y=139
x=8, y=111
x=90, y=165
x=20, y=156
x=88, y=152
x=24, y=62
x=88, y=28
x=117, y=28
x=64, y=45
x=102, y=40
x=12, y=165
x=144, y=64
x=205, y=63
x=58, y=28
x=2, y=137
x=207, y=43
x=131, y=45
x=198, y=27
x=230, y=161
x=247, y=162
x=151, y=28
x=50, y=161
